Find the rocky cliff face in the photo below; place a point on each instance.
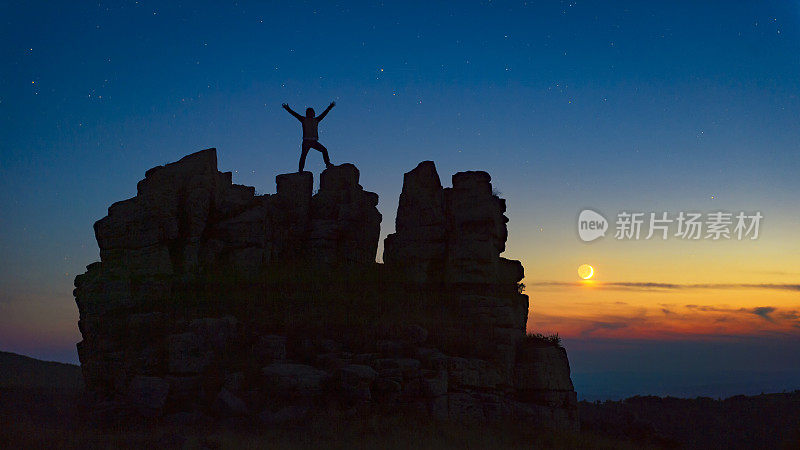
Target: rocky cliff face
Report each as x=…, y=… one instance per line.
x=212, y=300
x=451, y=238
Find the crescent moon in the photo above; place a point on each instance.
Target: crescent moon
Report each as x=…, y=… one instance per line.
x=585, y=271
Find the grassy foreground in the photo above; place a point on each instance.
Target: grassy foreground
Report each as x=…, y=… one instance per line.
x=389, y=433
x=51, y=419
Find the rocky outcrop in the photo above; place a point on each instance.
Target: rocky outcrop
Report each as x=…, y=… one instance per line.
x=542, y=377
x=187, y=216
x=211, y=300
x=452, y=238
x=453, y=235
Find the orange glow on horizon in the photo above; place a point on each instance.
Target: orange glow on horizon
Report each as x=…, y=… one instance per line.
x=662, y=311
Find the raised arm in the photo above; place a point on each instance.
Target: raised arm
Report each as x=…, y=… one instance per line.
x=324, y=113
x=297, y=116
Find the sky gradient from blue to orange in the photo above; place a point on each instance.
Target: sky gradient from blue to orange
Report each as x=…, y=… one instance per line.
x=637, y=106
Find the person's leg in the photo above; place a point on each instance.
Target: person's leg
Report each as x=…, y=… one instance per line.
x=304, y=152
x=324, y=151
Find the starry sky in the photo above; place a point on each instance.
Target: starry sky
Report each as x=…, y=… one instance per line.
x=658, y=106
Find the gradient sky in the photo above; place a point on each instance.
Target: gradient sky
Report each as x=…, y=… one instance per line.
x=637, y=106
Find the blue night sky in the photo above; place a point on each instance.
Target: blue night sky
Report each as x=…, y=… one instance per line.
x=655, y=106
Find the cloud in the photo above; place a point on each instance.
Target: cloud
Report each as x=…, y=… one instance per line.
x=647, y=286
x=601, y=325
x=674, y=322
x=707, y=308
x=764, y=312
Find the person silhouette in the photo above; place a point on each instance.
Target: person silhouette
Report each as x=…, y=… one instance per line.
x=310, y=133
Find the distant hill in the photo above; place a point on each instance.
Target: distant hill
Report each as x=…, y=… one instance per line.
x=759, y=421
x=17, y=371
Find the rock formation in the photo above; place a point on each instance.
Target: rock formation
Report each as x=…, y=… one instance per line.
x=452, y=238
x=212, y=300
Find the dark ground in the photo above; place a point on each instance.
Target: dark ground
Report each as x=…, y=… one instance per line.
x=41, y=418
x=50, y=413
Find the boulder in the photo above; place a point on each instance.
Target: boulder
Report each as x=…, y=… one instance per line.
x=230, y=405
x=415, y=334
x=354, y=381
x=295, y=188
x=457, y=406
x=419, y=244
x=293, y=379
x=170, y=441
x=148, y=394
x=214, y=332
x=345, y=223
x=386, y=390
x=542, y=374
x=339, y=178
x=356, y=373
x=234, y=382
x=433, y=383
x=184, y=390
x=188, y=353
x=270, y=347
x=292, y=414
x=407, y=368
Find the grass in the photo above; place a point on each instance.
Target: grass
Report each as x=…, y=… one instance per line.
x=548, y=339
x=400, y=431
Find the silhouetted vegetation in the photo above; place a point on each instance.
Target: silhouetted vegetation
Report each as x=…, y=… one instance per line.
x=546, y=339
x=761, y=421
